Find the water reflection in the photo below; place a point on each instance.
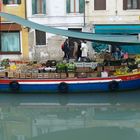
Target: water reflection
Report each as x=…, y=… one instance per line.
x=72, y=116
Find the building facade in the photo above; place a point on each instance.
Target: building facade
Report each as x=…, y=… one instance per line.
x=14, y=37
x=64, y=14
x=113, y=17
x=113, y=12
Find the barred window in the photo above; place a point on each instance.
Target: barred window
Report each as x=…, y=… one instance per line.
x=40, y=37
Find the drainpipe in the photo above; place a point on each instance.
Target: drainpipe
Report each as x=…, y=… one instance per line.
x=25, y=9
x=84, y=13
x=85, y=3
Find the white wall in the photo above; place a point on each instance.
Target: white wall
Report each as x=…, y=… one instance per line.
x=109, y=15
x=56, y=15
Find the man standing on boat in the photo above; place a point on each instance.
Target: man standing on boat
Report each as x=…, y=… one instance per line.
x=84, y=49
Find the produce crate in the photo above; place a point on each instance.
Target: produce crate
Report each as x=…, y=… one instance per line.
x=22, y=75
x=10, y=74
x=16, y=75
x=82, y=75
x=63, y=75
x=88, y=64
x=57, y=75
x=52, y=75
x=34, y=75
x=79, y=64
x=2, y=74
x=93, y=74
x=46, y=75
x=99, y=68
x=28, y=75
x=83, y=69
x=40, y=75
x=71, y=75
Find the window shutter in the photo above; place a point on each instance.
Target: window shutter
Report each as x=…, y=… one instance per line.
x=81, y=6
x=138, y=1
x=99, y=4
x=19, y=2
x=44, y=6
x=5, y=1
x=34, y=8
x=68, y=6
x=124, y=4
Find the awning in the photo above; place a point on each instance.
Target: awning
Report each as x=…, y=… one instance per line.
x=117, y=29
x=120, y=39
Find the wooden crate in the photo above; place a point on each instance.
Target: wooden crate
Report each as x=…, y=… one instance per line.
x=22, y=75
x=52, y=75
x=2, y=74
x=34, y=75
x=63, y=75
x=71, y=75
x=28, y=75
x=82, y=75
x=57, y=75
x=16, y=75
x=46, y=75
x=99, y=68
x=93, y=74
x=40, y=75
x=10, y=74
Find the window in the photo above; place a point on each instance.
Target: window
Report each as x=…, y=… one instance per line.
x=10, y=42
x=75, y=6
x=131, y=4
x=11, y=1
x=40, y=38
x=38, y=7
x=99, y=4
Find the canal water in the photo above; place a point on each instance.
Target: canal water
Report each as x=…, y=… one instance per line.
x=89, y=116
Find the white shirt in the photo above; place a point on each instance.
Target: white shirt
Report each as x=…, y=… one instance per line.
x=84, y=49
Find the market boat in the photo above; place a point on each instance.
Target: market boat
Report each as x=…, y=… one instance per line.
x=118, y=83
x=79, y=83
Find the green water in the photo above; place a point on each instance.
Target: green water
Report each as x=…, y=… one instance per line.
x=86, y=116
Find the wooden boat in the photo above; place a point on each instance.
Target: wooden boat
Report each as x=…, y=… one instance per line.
x=113, y=83
x=117, y=83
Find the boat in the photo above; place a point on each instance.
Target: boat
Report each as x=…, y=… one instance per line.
x=127, y=81
x=119, y=83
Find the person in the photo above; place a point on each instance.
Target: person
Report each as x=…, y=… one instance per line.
x=75, y=50
x=84, y=49
x=79, y=52
x=66, y=49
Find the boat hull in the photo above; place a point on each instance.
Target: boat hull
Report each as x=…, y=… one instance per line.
x=71, y=85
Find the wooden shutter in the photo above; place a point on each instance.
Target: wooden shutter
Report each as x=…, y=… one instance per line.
x=44, y=6
x=68, y=6
x=81, y=6
x=124, y=4
x=99, y=4
x=138, y=2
